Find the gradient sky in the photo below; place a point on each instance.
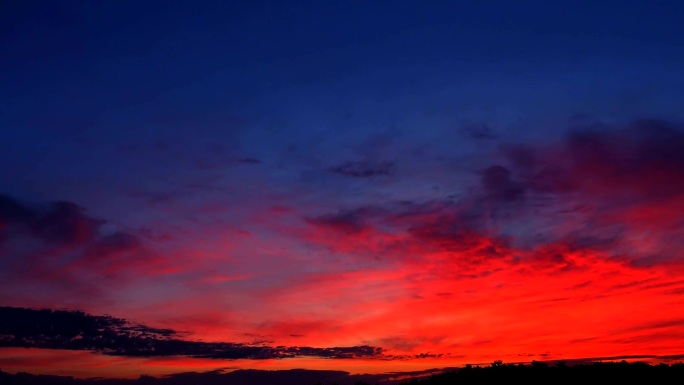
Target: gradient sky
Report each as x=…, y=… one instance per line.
x=369, y=186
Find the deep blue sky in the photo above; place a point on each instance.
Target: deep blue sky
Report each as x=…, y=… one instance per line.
x=83, y=80
x=213, y=158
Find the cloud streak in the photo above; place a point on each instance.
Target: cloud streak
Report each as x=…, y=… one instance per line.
x=75, y=330
x=363, y=169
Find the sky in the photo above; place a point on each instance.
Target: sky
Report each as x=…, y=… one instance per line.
x=367, y=186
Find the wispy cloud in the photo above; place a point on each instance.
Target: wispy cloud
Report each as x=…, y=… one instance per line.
x=365, y=169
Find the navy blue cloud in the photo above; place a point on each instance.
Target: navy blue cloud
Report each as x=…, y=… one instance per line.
x=75, y=330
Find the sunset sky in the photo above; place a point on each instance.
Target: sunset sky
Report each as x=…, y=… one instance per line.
x=368, y=186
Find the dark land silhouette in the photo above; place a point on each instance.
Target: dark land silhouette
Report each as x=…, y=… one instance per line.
x=495, y=373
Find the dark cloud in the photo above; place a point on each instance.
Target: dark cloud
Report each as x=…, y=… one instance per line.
x=54, y=243
x=447, y=237
x=430, y=219
x=479, y=132
x=363, y=169
x=344, y=221
x=61, y=329
x=65, y=222
x=113, y=252
x=13, y=211
x=114, y=243
x=597, y=188
x=644, y=159
x=499, y=185
x=75, y=330
x=248, y=160
x=617, y=183
x=59, y=223
x=409, y=230
x=217, y=164
x=156, y=197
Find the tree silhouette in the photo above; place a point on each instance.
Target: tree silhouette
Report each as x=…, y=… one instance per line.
x=498, y=372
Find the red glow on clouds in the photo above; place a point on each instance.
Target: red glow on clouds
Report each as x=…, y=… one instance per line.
x=571, y=253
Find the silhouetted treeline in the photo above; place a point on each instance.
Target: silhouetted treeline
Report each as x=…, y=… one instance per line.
x=559, y=372
x=496, y=373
